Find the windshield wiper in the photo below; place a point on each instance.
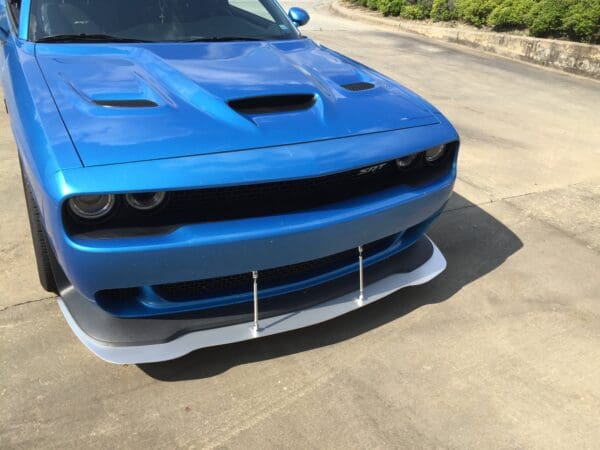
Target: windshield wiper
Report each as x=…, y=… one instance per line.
x=87, y=38
x=222, y=39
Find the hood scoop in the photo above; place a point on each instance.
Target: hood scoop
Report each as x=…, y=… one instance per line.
x=359, y=86
x=135, y=103
x=273, y=103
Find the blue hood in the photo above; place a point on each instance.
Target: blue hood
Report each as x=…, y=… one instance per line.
x=178, y=95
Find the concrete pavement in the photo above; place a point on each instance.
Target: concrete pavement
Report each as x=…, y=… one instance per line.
x=502, y=350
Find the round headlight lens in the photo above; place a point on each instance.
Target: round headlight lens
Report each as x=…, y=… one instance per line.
x=145, y=201
x=403, y=163
x=435, y=153
x=92, y=206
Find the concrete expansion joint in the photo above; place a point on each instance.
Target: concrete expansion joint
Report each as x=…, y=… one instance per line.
x=38, y=300
x=508, y=197
x=549, y=224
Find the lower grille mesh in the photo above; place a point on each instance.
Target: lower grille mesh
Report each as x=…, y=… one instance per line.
x=241, y=283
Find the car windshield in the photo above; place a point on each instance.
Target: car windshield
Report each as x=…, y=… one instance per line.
x=158, y=20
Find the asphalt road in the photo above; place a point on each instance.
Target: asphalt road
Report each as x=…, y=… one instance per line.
x=502, y=350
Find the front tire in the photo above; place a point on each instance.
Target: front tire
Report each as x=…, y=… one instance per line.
x=41, y=246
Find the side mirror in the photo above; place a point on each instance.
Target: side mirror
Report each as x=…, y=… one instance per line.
x=298, y=16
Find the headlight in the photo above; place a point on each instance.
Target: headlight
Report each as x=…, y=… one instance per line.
x=435, y=153
x=92, y=206
x=403, y=163
x=145, y=201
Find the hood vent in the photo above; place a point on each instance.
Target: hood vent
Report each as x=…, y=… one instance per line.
x=273, y=103
x=126, y=103
x=360, y=86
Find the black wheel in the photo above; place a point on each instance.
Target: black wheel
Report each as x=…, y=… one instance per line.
x=41, y=247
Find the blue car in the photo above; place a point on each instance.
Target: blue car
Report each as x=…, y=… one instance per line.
x=199, y=173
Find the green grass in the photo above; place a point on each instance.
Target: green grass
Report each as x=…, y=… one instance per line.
x=577, y=20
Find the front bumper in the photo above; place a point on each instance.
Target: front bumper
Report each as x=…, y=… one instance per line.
x=217, y=249
x=146, y=340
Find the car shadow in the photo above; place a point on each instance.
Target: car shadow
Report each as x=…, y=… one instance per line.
x=473, y=242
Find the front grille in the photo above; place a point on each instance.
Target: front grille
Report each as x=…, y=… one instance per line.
x=257, y=200
x=284, y=196
x=279, y=276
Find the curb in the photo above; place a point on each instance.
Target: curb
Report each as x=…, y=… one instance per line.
x=571, y=57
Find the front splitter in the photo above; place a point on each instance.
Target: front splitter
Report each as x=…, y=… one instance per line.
x=194, y=340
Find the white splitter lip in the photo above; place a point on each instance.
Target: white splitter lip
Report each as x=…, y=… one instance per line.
x=140, y=354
